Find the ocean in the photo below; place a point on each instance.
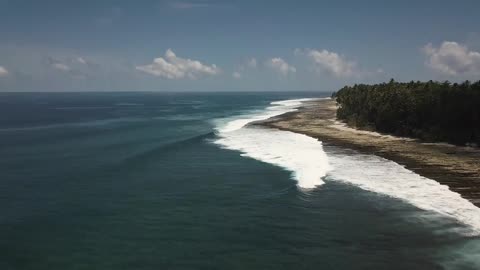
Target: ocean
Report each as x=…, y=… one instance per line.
x=146, y=180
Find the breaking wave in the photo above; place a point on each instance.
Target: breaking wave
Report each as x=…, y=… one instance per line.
x=298, y=153
x=384, y=176
x=306, y=158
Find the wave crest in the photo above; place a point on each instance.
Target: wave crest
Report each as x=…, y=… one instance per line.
x=298, y=153
x=309, y=163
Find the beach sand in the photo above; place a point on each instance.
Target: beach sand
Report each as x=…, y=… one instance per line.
x=454, y=166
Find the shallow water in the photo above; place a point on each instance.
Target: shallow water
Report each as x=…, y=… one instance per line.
x=143, y=181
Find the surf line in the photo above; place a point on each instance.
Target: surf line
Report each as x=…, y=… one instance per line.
x=305, y=157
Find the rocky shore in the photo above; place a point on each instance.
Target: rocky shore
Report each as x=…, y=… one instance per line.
x=454, y=166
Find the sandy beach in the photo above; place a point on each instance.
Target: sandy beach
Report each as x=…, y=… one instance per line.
x=454, y=166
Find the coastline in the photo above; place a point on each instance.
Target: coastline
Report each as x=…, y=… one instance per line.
x=455, y=166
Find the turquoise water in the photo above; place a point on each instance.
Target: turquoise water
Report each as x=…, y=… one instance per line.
x=140, y=181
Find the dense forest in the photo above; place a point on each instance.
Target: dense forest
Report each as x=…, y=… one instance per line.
x=432, y=111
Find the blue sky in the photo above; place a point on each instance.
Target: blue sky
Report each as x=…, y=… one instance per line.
x=233, y=45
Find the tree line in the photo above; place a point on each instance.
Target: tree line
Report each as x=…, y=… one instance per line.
x=431, y=111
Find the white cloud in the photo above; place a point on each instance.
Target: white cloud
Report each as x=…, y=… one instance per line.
x=61, y=67
x=58, y=64
x=237, y=75
x=173, y=67
x=81, y=60
x=3, y=72
x=279, y=65
x=252, y=63
x=452, y=58
x=331, y=62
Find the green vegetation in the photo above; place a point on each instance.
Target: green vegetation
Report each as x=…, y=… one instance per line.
x=432, y=111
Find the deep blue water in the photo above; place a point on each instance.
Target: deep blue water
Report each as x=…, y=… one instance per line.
x=133, y=181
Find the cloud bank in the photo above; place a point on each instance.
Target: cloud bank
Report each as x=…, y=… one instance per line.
x=279, y=65
x=452, y=58
x=173, y=67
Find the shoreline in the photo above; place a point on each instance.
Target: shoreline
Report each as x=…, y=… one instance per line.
x=455, y=166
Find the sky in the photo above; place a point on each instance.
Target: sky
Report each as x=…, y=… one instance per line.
x=208, y=45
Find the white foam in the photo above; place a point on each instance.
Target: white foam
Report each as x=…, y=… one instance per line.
x=383, y=176
x=309, y=163
x=277, y=108
x=300, y=154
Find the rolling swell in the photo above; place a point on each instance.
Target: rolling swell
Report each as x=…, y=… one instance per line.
x=165, y=149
